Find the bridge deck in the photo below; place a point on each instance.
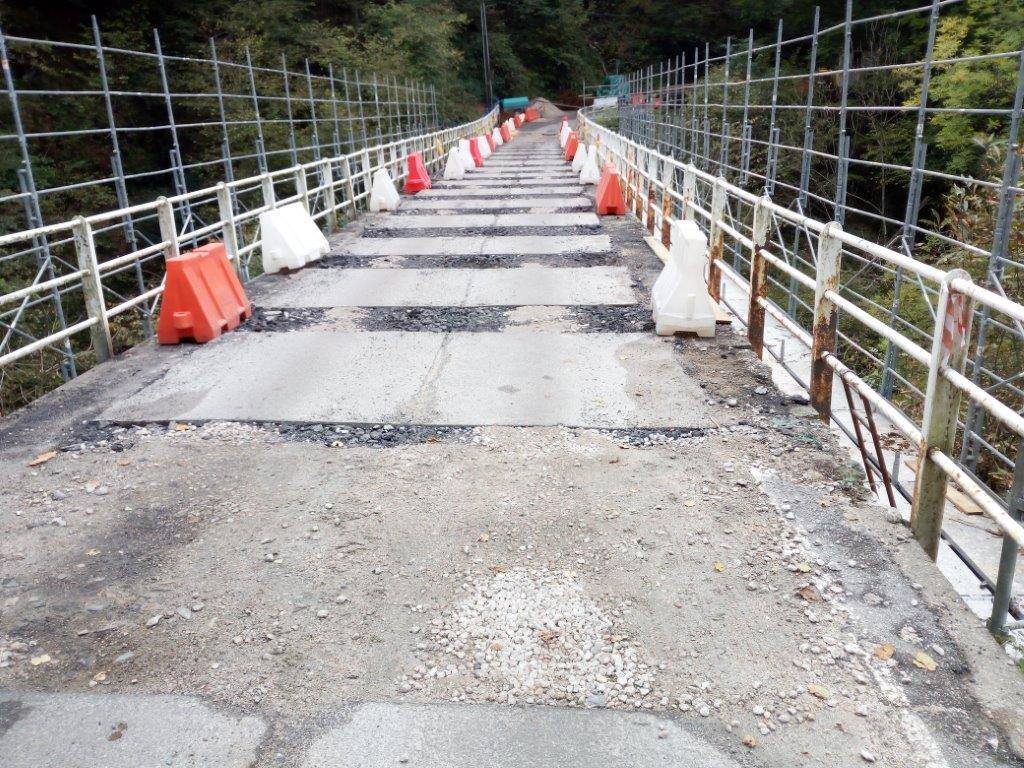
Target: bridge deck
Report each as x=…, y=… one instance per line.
x=455, y=504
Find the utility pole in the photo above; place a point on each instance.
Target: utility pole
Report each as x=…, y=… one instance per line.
x=486, y=50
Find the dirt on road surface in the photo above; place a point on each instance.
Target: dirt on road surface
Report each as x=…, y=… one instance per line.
x=714, y=591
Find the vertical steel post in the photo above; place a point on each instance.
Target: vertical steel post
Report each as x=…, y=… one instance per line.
x=758, y=275
x=997, y=258
x=843, y=162
x=177, y=164
x=773, y=129
x=805, y=157
x=336, y=134
x=292, y=143
x=1008, y=553
x=314, y=131
x=261, y=144
x=120, y=186
x=92, y=290
x=716, y=239
x=745, y=130
x=913, y=198
x=826, y=318
x=723, y=158
x=950, y=341
x=33, y=213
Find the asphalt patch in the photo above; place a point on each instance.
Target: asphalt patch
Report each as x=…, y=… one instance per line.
x=434, y=319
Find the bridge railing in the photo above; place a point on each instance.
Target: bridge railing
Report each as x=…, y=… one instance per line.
x=90, y=125
x=759, y=232
x=329, y=188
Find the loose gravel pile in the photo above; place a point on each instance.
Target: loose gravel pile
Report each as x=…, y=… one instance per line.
x=535, y=636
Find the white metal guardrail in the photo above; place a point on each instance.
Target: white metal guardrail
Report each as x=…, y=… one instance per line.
x=758, y=228
x=326, y=187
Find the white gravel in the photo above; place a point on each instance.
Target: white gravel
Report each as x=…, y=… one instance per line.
x=536, y=636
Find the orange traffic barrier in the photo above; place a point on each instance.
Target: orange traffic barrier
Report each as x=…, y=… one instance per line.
x=519, y=120
x=505, y=135
x=609, y=193
x=531, y=114
x=474, y=151
x=202, y=297
x=490, y=141
x=570, y=145
x=418, y=178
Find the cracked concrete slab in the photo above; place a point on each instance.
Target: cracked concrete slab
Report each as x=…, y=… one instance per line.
x=535, y=204
x=511, y=377
x=525, y=191
x=462, y=221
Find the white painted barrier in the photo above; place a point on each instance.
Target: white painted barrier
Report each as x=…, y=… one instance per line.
x=590, y=173
x=291, y=239
x=483, y=147
x=454, y=169
x=496, y=135
x=383, y=195
x=563, y=135
x=680, y=296
x=466, y=156
x=579, y=158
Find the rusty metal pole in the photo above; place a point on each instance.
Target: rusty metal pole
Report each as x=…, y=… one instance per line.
x=826, y=317
x=667, y=204
x=758, y=275
x=950, y=342
x=717, y=240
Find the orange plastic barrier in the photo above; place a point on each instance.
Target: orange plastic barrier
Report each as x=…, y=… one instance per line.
x=202, y=297
x=474, y=151
x=505, y=135
x=531, y=114
x=518, y=120
x=418, y=178
x=490, y=141
x=609, y=199
x=570, y=145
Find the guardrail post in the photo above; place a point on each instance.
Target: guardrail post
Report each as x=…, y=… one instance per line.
x=651, y=174
x=716, y=239
x=367, y=174
x=327, y=182
x=168, y=229
x=92, y=290
x=950, y=341
x=758, y=275
x=826, y=318
x=667, y=204
x=1008, y=556
x=228, y=232
x=689, y=191
x=346, y=173
x=302, y=187
x=267, y=186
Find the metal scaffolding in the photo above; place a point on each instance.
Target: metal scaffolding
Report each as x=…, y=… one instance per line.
x=84, y=122
x=787, y=116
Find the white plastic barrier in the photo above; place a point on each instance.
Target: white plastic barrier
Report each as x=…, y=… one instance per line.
x=454, y=169
x=483, y=147
x=590, y=173
x=579, y=158
x=496, y=135
x=563, y=134
x=291, y=239
x=466, y=156
x=383, y=195
x=680, y=295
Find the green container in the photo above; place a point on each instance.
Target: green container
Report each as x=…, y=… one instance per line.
x=516, y=102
